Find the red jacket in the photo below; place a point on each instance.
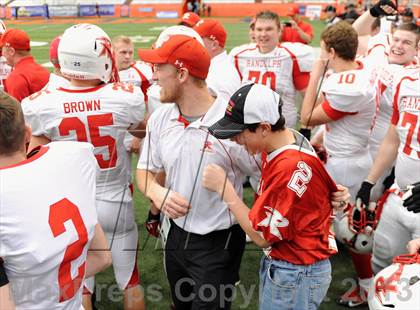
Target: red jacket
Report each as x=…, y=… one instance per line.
x=27, y=78
x=292, y=35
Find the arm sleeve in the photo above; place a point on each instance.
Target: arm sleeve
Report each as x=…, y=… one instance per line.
x=150, y=158
x=3, y=277
x=33, y=118
x=17, y=87
x=136, y=108
x=249, y=165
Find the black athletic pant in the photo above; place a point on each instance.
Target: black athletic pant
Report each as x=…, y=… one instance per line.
x=202, y=269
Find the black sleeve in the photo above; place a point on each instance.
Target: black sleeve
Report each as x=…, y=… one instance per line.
x=3, y=276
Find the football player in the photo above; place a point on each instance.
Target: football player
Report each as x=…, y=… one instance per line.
x=96, y=108
x=347, y=107
x=50, y=237
x=283, y=67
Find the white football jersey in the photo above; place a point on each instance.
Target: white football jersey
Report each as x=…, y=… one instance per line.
x=139, y=74
x=56, y=81
x=48, y=217
x=379, y=45
x=406, y=118
x=350, y=101
x=386, y=75
x=223, y=78
x=99, y=115
x=279, y=69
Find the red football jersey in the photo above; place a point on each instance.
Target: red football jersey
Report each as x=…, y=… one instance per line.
x=293, y=212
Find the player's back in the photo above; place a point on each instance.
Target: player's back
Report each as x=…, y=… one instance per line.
x=350, y=101
x=99, y=115
x=47, y=222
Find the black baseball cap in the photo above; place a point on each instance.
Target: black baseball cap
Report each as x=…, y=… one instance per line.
x=250, y=104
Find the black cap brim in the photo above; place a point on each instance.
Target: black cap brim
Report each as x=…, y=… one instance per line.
x=225, y=129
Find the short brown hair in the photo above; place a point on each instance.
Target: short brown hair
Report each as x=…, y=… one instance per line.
x=270, y=15
x=342, y=38
x=12, y=125
x=411, y=27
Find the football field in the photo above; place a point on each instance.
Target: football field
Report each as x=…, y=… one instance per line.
x=150, y=255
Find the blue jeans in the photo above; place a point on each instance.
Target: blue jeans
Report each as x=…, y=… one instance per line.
x=287, y=286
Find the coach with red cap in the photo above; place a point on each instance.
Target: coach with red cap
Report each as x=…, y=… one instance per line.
x=27, y=76
x=296, y=30
x=205, y=244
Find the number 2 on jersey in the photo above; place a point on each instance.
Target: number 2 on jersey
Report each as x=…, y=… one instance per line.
x=61, y=212
x=255, y=77
x=94, y=122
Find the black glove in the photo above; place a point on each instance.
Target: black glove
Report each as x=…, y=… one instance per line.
x=364, y=192
x=412, y=198
x=306, y=132
x=377, y=11
x=152, y=224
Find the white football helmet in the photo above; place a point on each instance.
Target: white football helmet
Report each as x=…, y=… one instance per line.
x=2, y=27
x=397, y=286
x=355, y=227
x=177, y=30
x=85, y=53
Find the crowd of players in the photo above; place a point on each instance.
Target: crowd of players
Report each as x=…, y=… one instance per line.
x=202, y=121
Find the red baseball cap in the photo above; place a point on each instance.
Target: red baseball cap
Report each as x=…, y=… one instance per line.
x=294, y=10
x=189, y=19
x=181, y=51
x=16, y=38
x=210, y=28
x=54, y=52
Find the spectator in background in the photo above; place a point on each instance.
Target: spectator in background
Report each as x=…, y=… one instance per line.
x=407, y=16
x=331, y=14
x=350, y=12
x=27, y=76
x=296, y=30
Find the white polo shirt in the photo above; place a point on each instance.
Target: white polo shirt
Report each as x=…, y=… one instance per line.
x=183, y=151
x=223, y=77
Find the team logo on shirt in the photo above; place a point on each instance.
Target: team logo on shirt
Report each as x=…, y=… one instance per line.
x=274, y=220
x=208, y=147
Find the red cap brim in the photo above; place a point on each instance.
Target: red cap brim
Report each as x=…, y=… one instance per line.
x=151, y=56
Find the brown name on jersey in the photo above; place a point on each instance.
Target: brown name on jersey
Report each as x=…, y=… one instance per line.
x=82, y=106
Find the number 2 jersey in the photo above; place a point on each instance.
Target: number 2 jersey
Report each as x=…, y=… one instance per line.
x=285, y=70
x=47, y=220
x=293, y=212
x=406, y=118
x=99, y=115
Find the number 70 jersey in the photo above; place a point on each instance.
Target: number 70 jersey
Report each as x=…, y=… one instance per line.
x=99, y=115
x=284, y=70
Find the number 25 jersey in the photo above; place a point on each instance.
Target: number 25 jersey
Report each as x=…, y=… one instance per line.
x=99, y=115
